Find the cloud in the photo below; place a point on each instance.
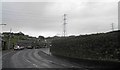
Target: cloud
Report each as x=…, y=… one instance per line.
x=59, y=0
x=46, y=18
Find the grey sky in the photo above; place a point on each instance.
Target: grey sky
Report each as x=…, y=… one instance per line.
x=46, y=18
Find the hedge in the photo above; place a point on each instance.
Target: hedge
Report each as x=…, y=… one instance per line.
x=100, y=46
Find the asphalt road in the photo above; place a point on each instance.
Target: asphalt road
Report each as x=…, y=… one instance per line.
x=33, y=58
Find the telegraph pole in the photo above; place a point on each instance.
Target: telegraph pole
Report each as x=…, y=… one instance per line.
x=9, y=39
x=1, y=36
x=112, y=25
x=64, y=25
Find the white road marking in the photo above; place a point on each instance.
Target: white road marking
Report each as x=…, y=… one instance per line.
x=27, y=60
x=36, y=54
x=63, y=64
x=49, y=61
x=31, y=63
x=6, y=54
x=35, y=65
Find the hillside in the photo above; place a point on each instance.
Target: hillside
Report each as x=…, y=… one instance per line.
x=100, y=46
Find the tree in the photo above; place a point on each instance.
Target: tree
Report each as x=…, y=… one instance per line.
x=41, y=37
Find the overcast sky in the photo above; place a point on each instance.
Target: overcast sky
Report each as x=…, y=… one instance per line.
x=46, y=18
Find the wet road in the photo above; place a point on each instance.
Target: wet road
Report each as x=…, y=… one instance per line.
x=33, y=58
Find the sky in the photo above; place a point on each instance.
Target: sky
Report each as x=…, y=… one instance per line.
x=45, y=18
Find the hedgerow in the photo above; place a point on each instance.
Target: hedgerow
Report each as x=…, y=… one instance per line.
x=101, y=46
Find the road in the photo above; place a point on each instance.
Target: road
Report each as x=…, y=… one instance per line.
x=34, y=58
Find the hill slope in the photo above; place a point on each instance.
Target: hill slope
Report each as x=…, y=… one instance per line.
x=101, y=46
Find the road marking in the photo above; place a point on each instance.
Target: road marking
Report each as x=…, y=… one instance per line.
x=63, y=64
x=31, y=63
x=52, y=62
x=27, y=60
x=35, y=65
x=6, y=54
